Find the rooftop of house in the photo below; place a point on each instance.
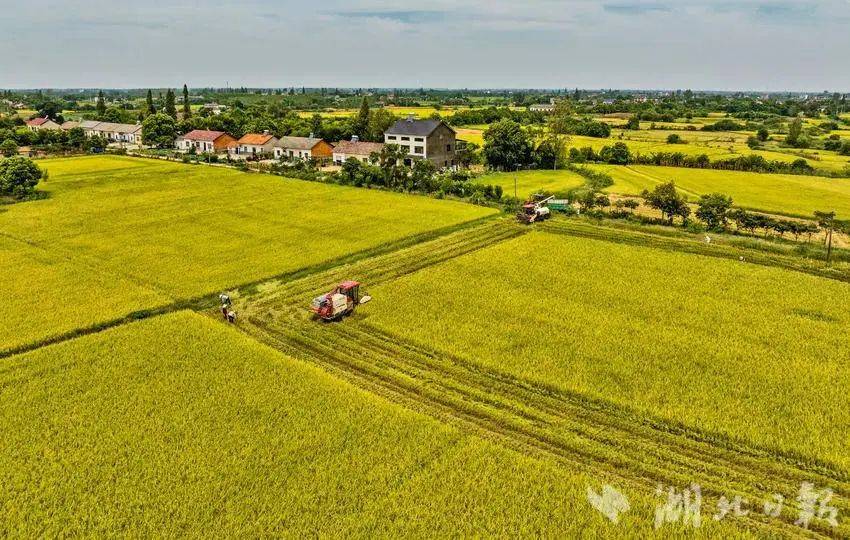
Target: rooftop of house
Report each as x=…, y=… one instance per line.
x=298, y=143
x=255, y=138
x=89, y=124
x=416, y=128
x=357, y=148
x=38, y=121
x=110, y=127
x=203, y=135
x=70, y=124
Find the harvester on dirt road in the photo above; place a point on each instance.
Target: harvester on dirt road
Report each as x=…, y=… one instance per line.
x=339, y=302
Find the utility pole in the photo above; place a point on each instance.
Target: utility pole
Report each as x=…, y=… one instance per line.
x=829, y=245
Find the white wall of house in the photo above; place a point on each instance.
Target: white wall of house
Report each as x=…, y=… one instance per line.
x=415, y=146
x=339, y=158
x=255, y=149
x=292, y=153
x=199, y=146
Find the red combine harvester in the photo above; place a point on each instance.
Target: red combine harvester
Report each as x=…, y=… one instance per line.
x=534, y=211
x=339, y=302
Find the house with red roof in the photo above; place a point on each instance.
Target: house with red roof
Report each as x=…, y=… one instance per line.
x=202, y=140
x=37, y=124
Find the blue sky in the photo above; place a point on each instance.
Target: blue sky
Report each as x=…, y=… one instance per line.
x=723, y=45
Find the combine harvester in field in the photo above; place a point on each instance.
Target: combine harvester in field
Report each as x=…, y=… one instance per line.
x=339, y=302
x=535, y=211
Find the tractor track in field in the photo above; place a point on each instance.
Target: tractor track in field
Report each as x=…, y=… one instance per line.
x=590, y=435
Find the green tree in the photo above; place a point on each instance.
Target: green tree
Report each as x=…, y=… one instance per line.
x=114, y=114
x=713, y=210
x=618, y=154
x=506, y=146
x=391, y=165
x=149, y=107
x=9, y=148
x=633, y=123
x=794, y=132
x=76, y=137
x=18, y=177
x=187, y=109
x=674, y=138
x=551, y=152
x=158, y=130
x=360, y=127
x=379, y=121
x=316, y=127
x=467, y=154
x=668, y=201
x=170, y=107
x=101, y=104
x=422, y=175
x=826, y=221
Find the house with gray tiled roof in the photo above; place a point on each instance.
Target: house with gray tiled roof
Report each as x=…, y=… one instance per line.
x=433, y=140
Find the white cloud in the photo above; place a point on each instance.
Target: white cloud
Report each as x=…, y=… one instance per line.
x=734, y=44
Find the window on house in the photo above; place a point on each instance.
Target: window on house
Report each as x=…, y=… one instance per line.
x=391, y=137
x=419, y=150
x=448, y=148
x=405, y=138
x=419, y=139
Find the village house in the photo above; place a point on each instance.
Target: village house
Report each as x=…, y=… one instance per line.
x=89, y=127
x=204, y=141
x=291, y=148
x=69, y=125
x=119, y=133
x=213, y=108
x=542, y=107
x=355, y=149
x=252, y=145
x=433, y=140
x=37, y=124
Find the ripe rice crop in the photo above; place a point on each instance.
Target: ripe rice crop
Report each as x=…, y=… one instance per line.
x=132, y=232
x=180, y=426
x=747, y=352
x=777, y=193
x=47, y=295
x=530, y=182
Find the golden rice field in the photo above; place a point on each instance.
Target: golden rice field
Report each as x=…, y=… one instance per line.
x=418, y=112
x=180, y=426
x=745, y=352
x=525, y=183
x=137, y=233
x=716, y=145
x=777, y=193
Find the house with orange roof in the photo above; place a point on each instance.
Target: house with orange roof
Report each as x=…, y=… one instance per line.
x=252, y=145
x=37, y=124
x=202, y=140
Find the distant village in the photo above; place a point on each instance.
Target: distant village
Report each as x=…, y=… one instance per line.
x=431, y=140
